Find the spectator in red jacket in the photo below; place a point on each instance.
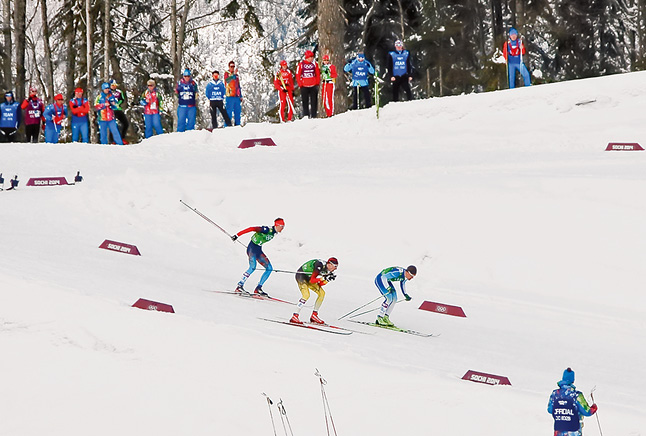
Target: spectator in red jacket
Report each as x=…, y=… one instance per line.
x=80, y=108
x=284, y=83
x=308, y=77
x=34, y=108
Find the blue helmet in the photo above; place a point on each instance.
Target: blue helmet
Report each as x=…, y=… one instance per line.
x=105, y=85
x=187, y=72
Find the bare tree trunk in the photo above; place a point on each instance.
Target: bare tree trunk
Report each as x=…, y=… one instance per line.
x=20, y=11
x=173, y=52
x=106, y=40
x=181, y=36
x=89, y=28
x=401, y=19
x=6, y=49
x=70, y=65
x=49, y=67
x=331, y=30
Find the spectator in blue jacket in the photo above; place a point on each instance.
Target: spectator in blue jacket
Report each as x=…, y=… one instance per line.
x=215, y=92
x=400, y=69
x=186, y=109
x=10, y=114
x=361, y=69
x=54, y=115
x=568, y=407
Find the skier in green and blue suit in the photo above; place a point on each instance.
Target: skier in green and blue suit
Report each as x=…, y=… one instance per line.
x=384, y=282
x=263, y=235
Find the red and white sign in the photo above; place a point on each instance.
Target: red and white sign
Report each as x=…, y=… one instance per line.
x=624, y=146
x=153, y=305
x=489, y=379
x=248, y=143
x=446, y=309
x=47, y=181
x=120, y=247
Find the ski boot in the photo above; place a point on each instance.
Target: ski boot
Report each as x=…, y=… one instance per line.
x=295, y=319
x=259, y=291
x=384, y=321
x=315, y=318
x=240, y=290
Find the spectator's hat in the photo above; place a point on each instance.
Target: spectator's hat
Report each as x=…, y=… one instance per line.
x=215, y=72
x=105, y=85
x=326, y=57
x=58, y=97
x=513, y=31
x=8, y=94
x=399, y=43
x=309, y=54
x=113, y=82
x=78, y=90
x=187, y=72
x=150, y=82
x=283, y=63
x=33, y=90
x=361, y=55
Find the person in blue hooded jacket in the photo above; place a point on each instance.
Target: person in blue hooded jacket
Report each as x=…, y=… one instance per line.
x=568, y=407
x=361, y=70
x=10, y=114
x=186, y=107
x=215, y=92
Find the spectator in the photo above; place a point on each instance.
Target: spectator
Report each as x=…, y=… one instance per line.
x=105, y=103
x=400, y=70
x=152, y=102
x=80, y=108
x=118, y=112
x=186, y=109
x=360, y=68
x=215, y=92
x=54, y=115
x=34, y=108
x=284, y=84
x=308, y=77
x=513, y=51
x=233, y=93
x=9, y=118
x=328, y=79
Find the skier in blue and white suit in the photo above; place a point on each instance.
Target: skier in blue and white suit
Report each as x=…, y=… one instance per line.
x=384, y=284
x=360, y=68
x=400, y=69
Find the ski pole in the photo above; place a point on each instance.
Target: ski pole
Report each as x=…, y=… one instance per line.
x=363, y=313
x=269, y=404
x=596, y=414
x=326, y=404
x=206, y=218
x=361, y=307
x=283, y=412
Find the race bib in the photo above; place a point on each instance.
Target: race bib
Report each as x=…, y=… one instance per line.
x=153, y=105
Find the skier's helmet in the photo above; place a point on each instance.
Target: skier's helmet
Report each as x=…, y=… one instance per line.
x=279, y=222
x=412, y=270
x=333, y=261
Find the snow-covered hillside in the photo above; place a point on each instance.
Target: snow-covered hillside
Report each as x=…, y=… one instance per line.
x=506, y=202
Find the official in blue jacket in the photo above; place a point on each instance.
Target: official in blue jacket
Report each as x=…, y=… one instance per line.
x=10, y=114
x=361, y=68
x=215, y=92
x=568, y=407
x=400, y=69
x=186, y=109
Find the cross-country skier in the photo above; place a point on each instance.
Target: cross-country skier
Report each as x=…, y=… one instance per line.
x=384, y=284
x=312, y=276
x=263, y=235
x=513, y=51
x=328, y=80
x=568, y=407
x=284, y=84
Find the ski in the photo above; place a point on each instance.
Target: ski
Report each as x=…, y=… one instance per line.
x=319, y=327
x=397, y=329
x=252, y=296
x=337, y=327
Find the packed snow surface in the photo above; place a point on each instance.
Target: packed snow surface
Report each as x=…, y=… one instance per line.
x=506, y=202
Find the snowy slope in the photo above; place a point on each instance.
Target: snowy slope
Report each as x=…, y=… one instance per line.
x=505, y=201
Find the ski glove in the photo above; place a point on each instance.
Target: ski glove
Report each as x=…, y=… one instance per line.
x=593, y=408
x=234, y=237
x=407, y=297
